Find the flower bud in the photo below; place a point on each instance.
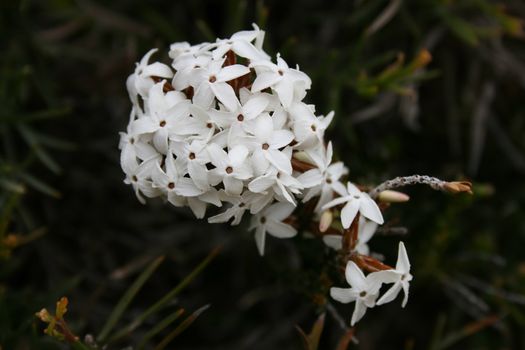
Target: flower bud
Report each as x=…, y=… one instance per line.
x=390, y=196
x=326, y=220
x=458, y=187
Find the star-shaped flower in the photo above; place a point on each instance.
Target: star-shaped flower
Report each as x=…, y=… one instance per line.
x=401, y=278
x=356, y=201
x=270, y=220
x=364, y=291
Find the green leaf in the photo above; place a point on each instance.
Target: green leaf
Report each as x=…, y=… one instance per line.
x=166, y=322
x=166, y=298
x=311, y=340
x=126, y=299
x=181, y=328
x=39, y=185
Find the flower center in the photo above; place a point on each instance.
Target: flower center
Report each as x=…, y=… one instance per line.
x=132, y=140
x=209, y=125
x=171, y=185
x=313, y=127
x=162, y=123
x=362, y=294
x=265, y=146
x=134, y=178
x=281, y=73
x=229, y=170
x=263, y=220
x=240, y=117
x=357, y=197
x=329, y=181
x=213, y=79
x=191, y=156
x=241, y=204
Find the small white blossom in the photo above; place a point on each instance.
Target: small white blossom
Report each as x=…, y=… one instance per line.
x=364, y=291
x=356, y=201
x=401, y=278
x=270, y=220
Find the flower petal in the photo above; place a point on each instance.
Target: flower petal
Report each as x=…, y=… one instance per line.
x=232, y=72
x=232, y=186
x=333, y=241
x=402, y=265
x=342, y=295
x=185, y=187
x=369, y=209
x=265, y=80
x=238, y=155
x=349, y=212
x=355, y=277
x=198, y=207
x=254, y=106
x=279, y=160
x=390, y=294
x=359, y=312
x=203, y=95
x=280, y=230
x=281, y=138
x=284, y=89
x=260, y=238
x=224, y=93
x=262, y=183
x=279, y=211
x=245, y=49
x=310, y=178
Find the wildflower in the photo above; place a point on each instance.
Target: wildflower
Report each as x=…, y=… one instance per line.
x=400, y=277
x=364, y=291
x=356, y=201
x=270, y=220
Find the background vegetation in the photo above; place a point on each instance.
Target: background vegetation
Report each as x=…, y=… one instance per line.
x=70, y=227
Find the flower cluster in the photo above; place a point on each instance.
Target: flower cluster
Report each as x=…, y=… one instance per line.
x=225, y=125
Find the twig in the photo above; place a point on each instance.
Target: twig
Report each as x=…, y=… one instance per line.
x=433, y=182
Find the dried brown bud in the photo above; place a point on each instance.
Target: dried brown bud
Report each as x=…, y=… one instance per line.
x=458, y=187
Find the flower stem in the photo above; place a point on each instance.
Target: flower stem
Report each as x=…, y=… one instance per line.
x=433, y=182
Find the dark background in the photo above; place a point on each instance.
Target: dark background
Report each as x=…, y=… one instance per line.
x=80, y=232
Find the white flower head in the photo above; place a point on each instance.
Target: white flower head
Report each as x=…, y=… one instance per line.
x=356, y=201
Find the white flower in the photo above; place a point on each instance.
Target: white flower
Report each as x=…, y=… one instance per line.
x=211, y=82
x=231, y=167
x=239, y=205
x=270, y=221
x=139, y=176
x=164, y=112
x=267, y=142
x=400, y=277
x=364, y=291
x=250, y=110
x=172, y=182
x=282, y=184
x=282, y=79
x=324, y=180
x=308, y=129
x=240, y=43
x=140, y=81
x=356, y=201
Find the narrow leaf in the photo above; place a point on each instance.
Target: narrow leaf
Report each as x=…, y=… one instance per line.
x=126, y=299
x=181, y=328
x=166, y=298
x=166, y=322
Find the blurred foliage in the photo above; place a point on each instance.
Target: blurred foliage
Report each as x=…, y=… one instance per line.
x=432, y=86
